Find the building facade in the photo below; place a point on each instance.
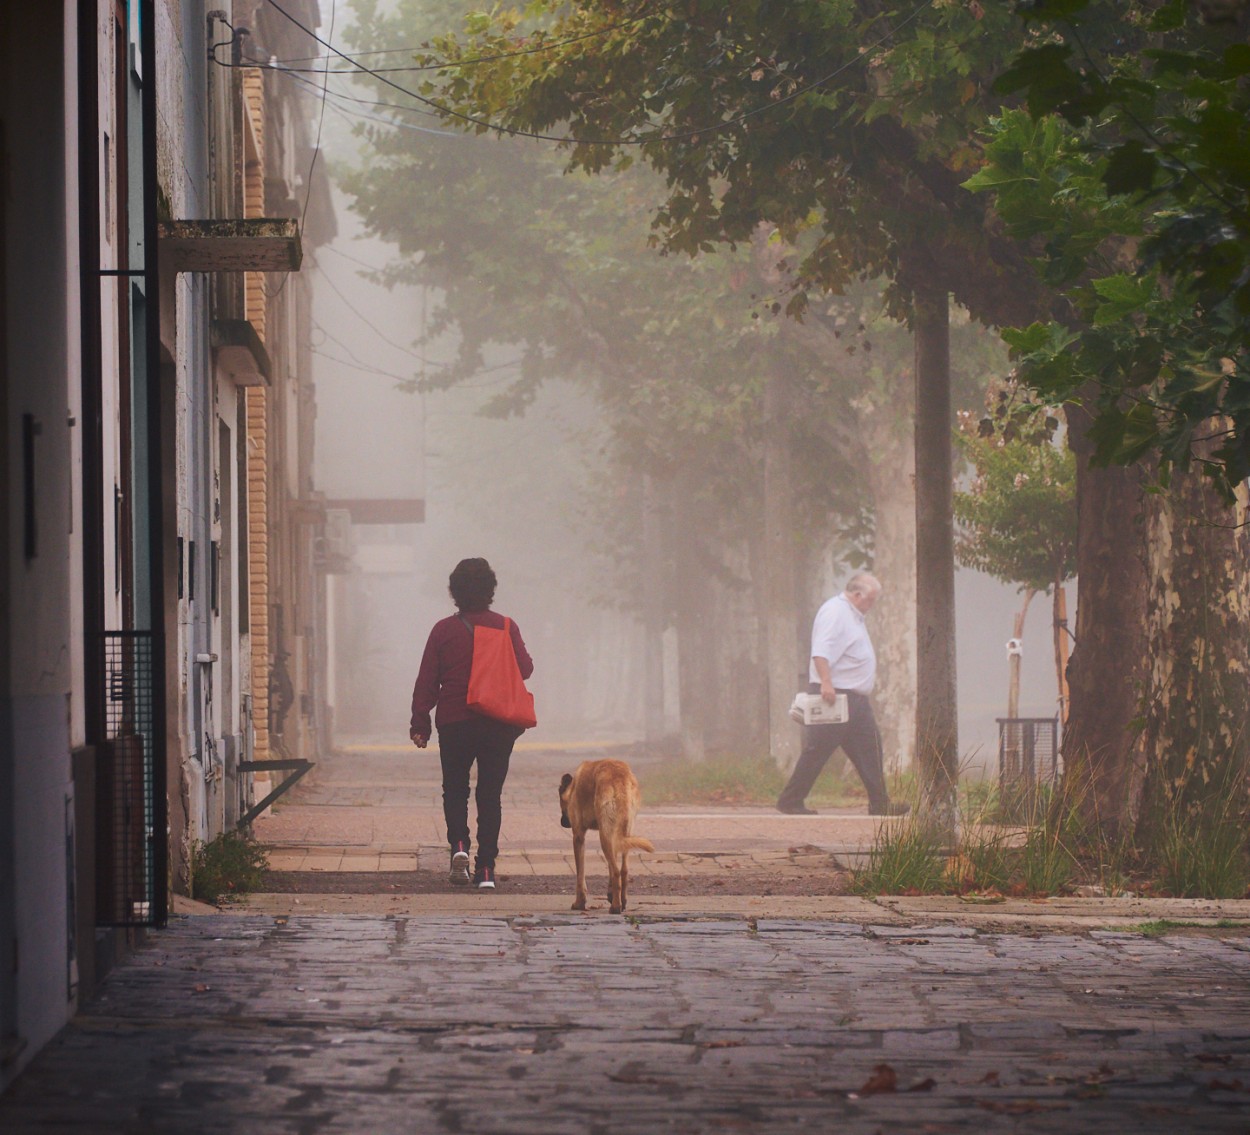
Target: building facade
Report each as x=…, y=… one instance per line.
x=160, y=604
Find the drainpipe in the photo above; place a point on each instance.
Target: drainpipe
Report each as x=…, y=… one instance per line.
x=152, y=298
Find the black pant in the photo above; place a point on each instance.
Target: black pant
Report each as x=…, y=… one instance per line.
x=858, y=736
x=488, y=742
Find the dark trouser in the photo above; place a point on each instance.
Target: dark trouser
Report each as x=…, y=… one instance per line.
x=859, y=738
x=461, y=743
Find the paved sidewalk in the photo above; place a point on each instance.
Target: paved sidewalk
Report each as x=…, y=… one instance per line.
x=379, y=808
x=592, y=1023
x=705, y=1009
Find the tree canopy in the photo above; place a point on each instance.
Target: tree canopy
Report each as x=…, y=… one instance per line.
x=1127, y=177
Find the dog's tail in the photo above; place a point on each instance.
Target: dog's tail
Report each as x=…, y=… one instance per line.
x=637, y=843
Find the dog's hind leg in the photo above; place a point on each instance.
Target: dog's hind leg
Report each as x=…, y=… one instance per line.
x=579, y=860
x=625, y=878
x=615, y=905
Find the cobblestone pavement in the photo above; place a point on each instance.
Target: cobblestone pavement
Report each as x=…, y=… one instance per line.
x=388, y=1001
x=592, y=1023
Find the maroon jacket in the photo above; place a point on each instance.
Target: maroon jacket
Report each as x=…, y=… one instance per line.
x=443, y=679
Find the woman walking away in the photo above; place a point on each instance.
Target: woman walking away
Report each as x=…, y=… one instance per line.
x=464, y=736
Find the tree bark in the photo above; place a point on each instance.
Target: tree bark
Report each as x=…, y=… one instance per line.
x=652, y=614
x=886, y=426
x=695, y=660
x=1013, y=658
x=1061, y=650
x=1102, y=751
x=937, y=733
x=1196, y=713
x=780, y=609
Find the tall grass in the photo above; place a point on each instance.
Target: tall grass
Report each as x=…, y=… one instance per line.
x=1202, y=858
x=906, y=858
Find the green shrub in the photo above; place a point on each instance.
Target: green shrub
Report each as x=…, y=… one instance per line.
x=230, y=865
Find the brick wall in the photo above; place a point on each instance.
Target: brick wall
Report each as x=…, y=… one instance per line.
x=255, y=305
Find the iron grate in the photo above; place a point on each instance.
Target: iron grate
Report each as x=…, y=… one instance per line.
x=126, y=783
x=1028, y=758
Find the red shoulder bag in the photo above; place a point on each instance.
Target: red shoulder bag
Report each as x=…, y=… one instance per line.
x=496, y=688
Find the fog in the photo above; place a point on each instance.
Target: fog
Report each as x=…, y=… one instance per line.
x=529, y=492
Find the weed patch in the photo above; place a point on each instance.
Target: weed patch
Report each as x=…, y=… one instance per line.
x=1202, y=860
x=230, y=865
x=905, y=859
x=1157, y=927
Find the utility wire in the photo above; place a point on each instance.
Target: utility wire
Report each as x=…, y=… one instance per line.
x=373, y=102
x=312, y=165
x=351, y=117
x=325, y=83
x=368, y=323
x=628, y=140
x=405, y=378
x=285, y=63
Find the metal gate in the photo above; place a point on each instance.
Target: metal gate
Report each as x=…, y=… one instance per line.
x=130, y=887
x=1028, y=758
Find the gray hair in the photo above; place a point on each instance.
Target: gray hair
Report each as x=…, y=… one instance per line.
x=863, y=583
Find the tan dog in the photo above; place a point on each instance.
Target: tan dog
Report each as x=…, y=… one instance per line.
x=602, y=796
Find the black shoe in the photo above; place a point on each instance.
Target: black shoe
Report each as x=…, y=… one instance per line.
x=484, y=877
x=795, y=809
x=459, y=872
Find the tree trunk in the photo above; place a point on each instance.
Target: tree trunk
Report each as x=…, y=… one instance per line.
x=889, y=458
x=781, y=617
x=694, y=656
x=1196, y=713
x=1061, y=649
x=1101, y=745
x=1014, y=656
x=937, y=736
x=653, y=616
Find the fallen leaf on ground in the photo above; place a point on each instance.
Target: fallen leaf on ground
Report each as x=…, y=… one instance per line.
x=201, y=989
x=883, y=1079
x=926, y=1085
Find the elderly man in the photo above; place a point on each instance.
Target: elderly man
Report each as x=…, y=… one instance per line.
x=843, y=662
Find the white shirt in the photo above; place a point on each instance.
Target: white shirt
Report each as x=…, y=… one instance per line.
x=840, y=636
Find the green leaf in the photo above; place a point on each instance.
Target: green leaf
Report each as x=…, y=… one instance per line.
x=1037, y=67
x=1130, y=169
x=1051, y=9
x=1124, y=290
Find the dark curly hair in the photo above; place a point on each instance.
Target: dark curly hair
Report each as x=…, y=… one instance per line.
x=472, y=585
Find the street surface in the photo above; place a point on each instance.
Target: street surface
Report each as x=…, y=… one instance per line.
x=720, y=1010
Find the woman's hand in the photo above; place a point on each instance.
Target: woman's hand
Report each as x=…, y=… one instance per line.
x=419, y=740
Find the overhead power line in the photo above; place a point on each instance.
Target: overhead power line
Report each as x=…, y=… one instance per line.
x=285, y=64
x=658, y=134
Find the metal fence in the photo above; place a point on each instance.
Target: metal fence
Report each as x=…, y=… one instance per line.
x=1028, y=759
x=127, y=886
